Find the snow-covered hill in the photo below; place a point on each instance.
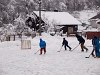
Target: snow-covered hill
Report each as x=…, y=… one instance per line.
x=14, y=61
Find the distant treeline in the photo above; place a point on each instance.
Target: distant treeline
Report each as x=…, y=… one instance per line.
x=11, y=9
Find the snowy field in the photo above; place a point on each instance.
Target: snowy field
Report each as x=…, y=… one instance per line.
x=14, y=61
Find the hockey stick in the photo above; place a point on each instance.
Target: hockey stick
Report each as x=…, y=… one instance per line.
x=36, y=52
x=91, y=54
x=60, y=49
x=75, y=47
x=88, y=56
x=89, y=46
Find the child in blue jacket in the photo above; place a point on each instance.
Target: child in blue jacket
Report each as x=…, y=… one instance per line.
x=42, y=45
x=96, y=45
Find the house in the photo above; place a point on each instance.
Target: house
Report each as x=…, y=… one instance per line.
x=60, y=20
x=94, y=21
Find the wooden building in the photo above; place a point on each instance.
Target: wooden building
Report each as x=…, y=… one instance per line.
x=63, y=20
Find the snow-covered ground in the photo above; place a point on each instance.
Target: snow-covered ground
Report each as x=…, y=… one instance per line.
x=14, y=61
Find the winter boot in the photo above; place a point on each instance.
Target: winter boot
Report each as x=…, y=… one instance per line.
x=93, y=55
x=86, y=50
x=70, y=49
x=82, y=50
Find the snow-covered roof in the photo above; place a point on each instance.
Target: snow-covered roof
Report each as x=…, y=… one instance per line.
x=58, y=18
x=86, y=15
x=98, y=21
x=96, y=16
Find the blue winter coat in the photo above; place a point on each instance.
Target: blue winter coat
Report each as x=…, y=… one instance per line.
x=42, y=44
x=97, y=46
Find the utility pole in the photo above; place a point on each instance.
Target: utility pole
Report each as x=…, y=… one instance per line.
x=74, y=5
x=40, y=17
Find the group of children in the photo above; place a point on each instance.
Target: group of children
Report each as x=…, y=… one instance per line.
x=95, y=43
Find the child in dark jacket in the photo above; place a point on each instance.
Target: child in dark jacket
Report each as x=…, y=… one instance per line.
x=42, y=45
x=81, y=42
x=65, y=43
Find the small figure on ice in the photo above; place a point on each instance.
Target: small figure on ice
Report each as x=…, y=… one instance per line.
x=65, y=43
x=42, y=45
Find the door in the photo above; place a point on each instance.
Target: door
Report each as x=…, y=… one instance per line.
x=70, y=30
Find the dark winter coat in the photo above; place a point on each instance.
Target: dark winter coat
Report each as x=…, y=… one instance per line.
x=80, y=39
x=65, y=42
x=42, y=44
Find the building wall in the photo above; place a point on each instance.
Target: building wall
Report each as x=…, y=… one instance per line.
x=70, y=29
x=90, y=35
